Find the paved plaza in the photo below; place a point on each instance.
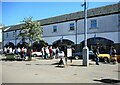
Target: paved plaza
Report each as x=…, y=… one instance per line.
x=47, y=71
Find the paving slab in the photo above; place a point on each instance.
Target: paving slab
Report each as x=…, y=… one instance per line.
x=47, y=71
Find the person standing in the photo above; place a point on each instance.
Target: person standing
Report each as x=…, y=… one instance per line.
x=113, y=54
x=16, y=51
x=50, y=52
x=5, y=50
x=54, y=53
x=57, y=50
x=19, y=51
x=47, y=52
x=43, y=52
x=10, y=50
x=96, y=52
x=25, y=52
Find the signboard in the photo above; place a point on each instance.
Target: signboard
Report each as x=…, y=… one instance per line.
x=69, y=52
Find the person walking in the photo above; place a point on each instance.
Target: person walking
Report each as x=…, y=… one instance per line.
x=113, y=55
x=96, y=52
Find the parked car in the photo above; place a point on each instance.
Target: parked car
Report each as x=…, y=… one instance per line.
x=36, y=54
x=61, y=54
x=104, y=57
x=78, y=55
x=118, y=58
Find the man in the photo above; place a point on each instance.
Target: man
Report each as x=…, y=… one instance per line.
x=96, y=52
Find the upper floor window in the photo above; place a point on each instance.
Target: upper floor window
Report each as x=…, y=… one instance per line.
x=13, y=34
x=19, y=31
x=72, y=27
x=42, y=30
x=94, y=23
x=54, y=28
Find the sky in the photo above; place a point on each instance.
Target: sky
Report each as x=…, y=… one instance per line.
x=14, y=12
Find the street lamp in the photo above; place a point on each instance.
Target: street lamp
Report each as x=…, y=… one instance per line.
x=85, y=49
x=3, y=38
x=76, y=35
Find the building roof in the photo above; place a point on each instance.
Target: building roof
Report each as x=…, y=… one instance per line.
x=100, y=11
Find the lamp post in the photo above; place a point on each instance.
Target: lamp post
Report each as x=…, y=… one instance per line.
x=3, y=38
x=76, y=35
x=85, y=49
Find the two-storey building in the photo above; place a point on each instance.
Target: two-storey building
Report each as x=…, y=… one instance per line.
x=103, y=29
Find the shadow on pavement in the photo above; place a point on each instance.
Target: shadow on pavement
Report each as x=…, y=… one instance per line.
x=28, y=64
x=55, y=64
x=60, y=66
x=42, y=64
x=11, y=59
x=109, y=81
x=91, y=64
x=78, y=65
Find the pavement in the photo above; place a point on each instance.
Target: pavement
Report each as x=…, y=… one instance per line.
x=47, y=71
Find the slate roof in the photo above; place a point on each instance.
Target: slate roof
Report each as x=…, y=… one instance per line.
x=100, y=11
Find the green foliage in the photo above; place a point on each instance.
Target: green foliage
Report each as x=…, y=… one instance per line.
x=31, y=30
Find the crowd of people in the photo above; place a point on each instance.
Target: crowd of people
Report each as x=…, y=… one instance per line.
x=47, y=51
x=22, y=52
x=52, y=52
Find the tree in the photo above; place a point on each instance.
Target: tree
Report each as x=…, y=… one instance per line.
x=31, y=30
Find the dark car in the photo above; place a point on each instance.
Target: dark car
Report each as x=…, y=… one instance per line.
x=78, y=55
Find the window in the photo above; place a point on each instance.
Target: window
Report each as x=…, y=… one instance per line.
x=19, y=31
x=6, y=35
x=94, y=23
x=72, y=26
x=13, y=34
x=54, y=28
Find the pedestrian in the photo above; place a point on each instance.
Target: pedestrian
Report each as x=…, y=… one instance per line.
x=47, y=52
x=113, y=55
x=5, y=50
x=16, y=51
x=96, y=52
x=50, y=52
x=25, y=51
x=10, y=50
x=43, y=52
x=19, y=51
x=54, y=53
x=57, y=50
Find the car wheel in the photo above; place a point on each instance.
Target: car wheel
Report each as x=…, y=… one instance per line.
x=106, y=60
x=76, y=57
x=35, y=55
